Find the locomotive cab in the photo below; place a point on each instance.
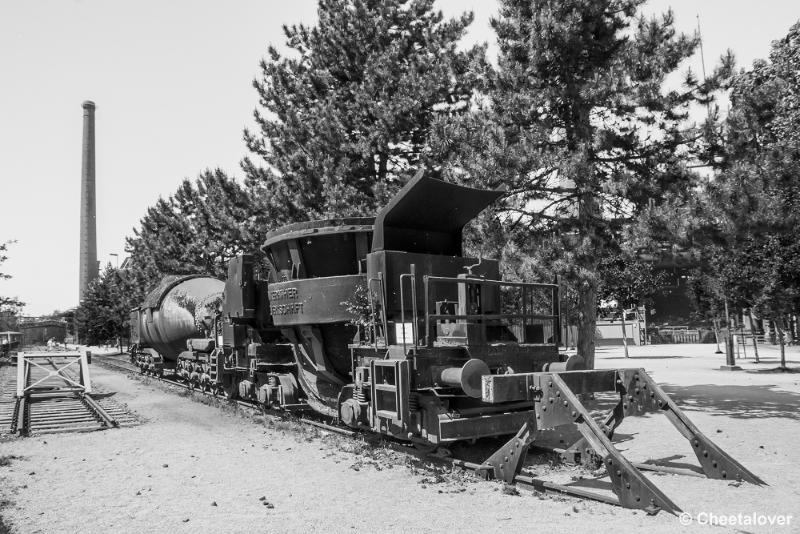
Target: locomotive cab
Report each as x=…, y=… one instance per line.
x=440, y=322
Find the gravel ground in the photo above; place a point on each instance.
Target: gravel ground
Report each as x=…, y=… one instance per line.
x=192, y=466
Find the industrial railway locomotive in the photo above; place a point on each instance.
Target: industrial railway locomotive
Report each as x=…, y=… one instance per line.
x=384, y=325
x=433, y=322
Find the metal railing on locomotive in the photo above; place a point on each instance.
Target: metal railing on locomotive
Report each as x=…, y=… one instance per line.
x=526, y=317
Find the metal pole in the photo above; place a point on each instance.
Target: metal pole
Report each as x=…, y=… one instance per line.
x=624, y=333
x=403, y=312
x=428, y=340
x=557, y=311
x=730, y=359
x=414, y=313
x=644, y=321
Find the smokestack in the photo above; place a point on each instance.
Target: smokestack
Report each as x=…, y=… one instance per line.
x=88, y=254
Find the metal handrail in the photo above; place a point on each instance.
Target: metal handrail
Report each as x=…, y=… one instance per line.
x=413, y=277
x=414, y=311
x=486, y=281
x=492, y=316
x=429, y=317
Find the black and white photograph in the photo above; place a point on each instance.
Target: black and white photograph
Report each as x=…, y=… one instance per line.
x=376, y=266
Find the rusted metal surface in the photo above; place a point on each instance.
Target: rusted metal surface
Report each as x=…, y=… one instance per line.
x=428, y=215
x=180, y=308
x=641, y=391
x=555, y=401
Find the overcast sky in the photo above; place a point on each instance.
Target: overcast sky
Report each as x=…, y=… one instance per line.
x=172, y=84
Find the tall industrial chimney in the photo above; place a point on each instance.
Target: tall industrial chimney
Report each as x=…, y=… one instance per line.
x=88, y=254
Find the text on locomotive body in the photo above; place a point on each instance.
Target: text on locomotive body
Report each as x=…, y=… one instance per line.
x=289, y=308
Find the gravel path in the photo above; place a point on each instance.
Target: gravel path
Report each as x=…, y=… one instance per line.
x=193, y=467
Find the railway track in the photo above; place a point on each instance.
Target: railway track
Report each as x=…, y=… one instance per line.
x=8, y=380
x=52, y=408
x=251, y=406
x=526, y=480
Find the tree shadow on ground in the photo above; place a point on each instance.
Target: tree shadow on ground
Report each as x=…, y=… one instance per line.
x=670, y=461
x=593, y=483
x=738, y=402
x=104, y=395
x=644, y=358
x=775, y=370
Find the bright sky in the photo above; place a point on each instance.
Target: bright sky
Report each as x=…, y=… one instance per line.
x=172, y=84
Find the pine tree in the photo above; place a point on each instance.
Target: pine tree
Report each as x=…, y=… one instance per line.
x=580, y=131
x=197, y=230
x=753, y=205
x=344, y=118
x=103, y=314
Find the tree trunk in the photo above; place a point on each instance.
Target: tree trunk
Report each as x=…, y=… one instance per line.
x=779, y=328
x=587, y=323
x=727, y=315
x=753, y=332
x=716, y=333
x=588, y=259
x=624, y=335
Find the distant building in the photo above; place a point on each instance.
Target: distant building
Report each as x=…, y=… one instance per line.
x=37, y=332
